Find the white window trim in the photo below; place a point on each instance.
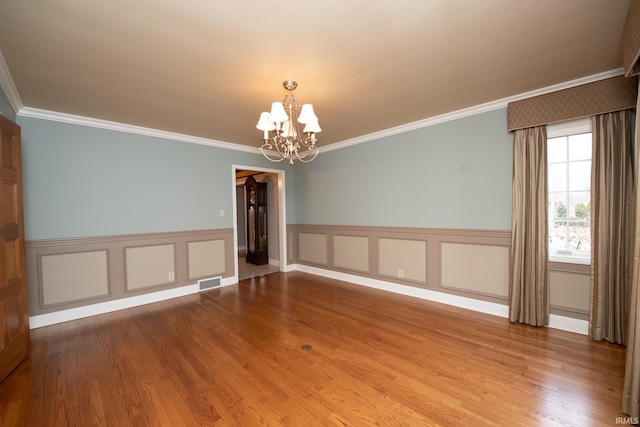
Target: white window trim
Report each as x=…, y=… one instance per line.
x=572, y=127
x=570, y=259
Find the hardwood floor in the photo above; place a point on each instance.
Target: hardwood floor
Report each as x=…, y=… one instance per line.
x=234, y=356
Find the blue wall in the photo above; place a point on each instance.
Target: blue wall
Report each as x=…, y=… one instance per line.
x=451, y=175
x=81, y=181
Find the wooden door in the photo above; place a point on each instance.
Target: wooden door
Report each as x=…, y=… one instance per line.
x=14, y=315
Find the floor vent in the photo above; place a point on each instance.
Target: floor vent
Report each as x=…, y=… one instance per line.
x=212, y=282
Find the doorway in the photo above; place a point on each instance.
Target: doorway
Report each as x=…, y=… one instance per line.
x=276, y=220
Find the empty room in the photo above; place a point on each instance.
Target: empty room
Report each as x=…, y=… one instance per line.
x=349, y=213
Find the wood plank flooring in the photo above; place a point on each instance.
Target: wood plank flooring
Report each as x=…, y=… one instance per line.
x=233, y=356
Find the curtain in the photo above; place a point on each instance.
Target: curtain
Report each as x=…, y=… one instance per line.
x=529, y=281
x=612, y=184
x=631, y=390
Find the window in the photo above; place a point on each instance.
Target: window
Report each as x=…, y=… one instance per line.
x=569, y=186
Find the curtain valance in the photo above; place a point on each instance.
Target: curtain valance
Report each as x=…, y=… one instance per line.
x=604, y=96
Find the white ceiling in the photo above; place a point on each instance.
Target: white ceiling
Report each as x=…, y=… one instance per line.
x=207, y=68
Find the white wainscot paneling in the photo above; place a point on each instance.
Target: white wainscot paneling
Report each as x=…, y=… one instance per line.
x=313, y=248
x=74, y=276
x=206, y=258
x=402, y=258
x=476, y=268
x=149, y=266
x=351, y=252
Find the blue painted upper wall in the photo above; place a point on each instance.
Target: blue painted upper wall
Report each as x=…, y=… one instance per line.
x=451, y=175
x=81, y=181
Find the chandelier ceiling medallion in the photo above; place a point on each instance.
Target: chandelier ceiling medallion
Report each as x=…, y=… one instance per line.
x=282, y=138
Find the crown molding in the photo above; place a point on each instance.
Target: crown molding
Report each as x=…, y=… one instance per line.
x=471, y=111
x=7, y=84
x=122, y=127
x=9, y=88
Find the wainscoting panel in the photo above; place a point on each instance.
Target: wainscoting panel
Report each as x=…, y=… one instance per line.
x=475, y=268
x=292, y=247
x=79, y=276
x=70, y=273
x=312, y=248
x=411, y=256
x=148, y=266
x=402, y=258
x=569, y=292
x=351, y=253
x=206, y=258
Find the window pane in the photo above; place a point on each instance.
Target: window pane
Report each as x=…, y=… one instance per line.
x=579, y=205
x=556, y=200
x=557, y=177
x=569, y=236
x=579, y=175
x=557, y=206
x=557, y=236
x=569, y=197
x=580, y=237
x=580, y=147
x=557, y=149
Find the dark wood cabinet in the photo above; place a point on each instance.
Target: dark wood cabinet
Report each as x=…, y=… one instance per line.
x=257, y=233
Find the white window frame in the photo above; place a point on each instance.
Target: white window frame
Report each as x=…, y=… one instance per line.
x=572, y=127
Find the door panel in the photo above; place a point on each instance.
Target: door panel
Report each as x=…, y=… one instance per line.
x=14, y=317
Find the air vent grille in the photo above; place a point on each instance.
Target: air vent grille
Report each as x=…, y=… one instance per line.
x=212, y=282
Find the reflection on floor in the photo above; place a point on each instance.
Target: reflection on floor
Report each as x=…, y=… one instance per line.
x=247, y=271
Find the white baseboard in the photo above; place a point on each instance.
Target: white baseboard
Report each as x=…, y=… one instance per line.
x=569, y=324
x=289, y=267
x=61, y=316
x=557, y=322
x=454, y=300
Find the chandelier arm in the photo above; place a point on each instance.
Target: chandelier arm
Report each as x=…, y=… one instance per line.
x=269, y=147
x=309, y=141
x=285, y=148
x=305, y=158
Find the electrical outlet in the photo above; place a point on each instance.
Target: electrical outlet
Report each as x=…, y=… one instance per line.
x=401, y=273
x=172, y=275
x=221, y=212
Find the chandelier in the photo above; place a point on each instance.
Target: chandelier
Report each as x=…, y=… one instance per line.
x=282, y=138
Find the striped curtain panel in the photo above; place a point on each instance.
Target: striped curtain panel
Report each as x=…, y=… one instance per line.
x=529, y=281
x=612, y=184
x=631, y=389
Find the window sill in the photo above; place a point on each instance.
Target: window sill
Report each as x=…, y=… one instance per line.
x=570, y=260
